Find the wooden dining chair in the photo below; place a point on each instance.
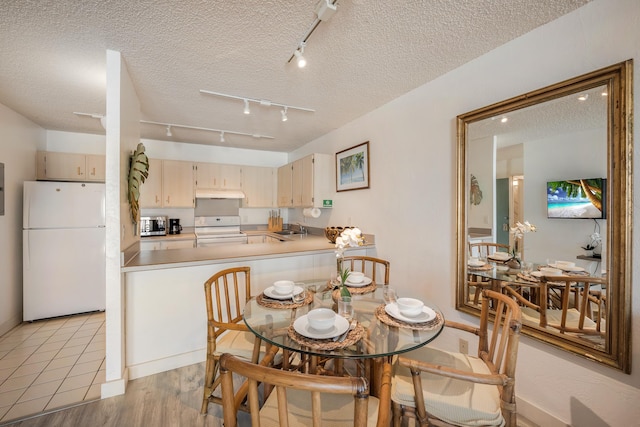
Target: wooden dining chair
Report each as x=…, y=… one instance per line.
x=372, y=267
x=580, y=309
x=484, y=249
x=301, y=399
x=446, y=388
x=226, y=294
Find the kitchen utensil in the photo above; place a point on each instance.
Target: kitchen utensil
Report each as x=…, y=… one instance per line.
x=352, y=326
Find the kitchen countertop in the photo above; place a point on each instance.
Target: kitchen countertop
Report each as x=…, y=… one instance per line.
x=181, y=236
x=291, y=245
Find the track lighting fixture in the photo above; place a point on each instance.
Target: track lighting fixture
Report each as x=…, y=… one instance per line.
x=169, y=131
x=262, y=102
x=221, y=136
x=101, y=117
x=298, y=54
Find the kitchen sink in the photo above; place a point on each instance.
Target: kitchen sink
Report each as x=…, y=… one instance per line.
x=287, y=232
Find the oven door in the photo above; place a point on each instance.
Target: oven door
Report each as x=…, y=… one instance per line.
x=205, y=242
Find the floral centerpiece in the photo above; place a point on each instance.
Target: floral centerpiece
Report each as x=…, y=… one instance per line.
x=594, y=242
x=351, y=237
x=518, y=233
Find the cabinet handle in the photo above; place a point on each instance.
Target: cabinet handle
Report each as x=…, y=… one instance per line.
x=78, y=170
x=93, y=171
x=168, y=199
x=157, y=200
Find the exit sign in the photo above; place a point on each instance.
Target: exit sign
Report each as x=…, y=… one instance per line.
x=327, y=203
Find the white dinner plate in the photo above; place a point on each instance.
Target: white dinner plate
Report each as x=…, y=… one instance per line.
x=365, y=281
x=301, y=326
x=475, y=263
x=567, y=267
x=271, y=293
x=499, y=256
x=426, y=315
x=537, y=273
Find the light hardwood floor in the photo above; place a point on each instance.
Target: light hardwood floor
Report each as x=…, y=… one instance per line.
x=170, y=398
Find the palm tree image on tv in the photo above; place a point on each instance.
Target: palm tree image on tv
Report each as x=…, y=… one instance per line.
x=578, y=198
x=352, y=168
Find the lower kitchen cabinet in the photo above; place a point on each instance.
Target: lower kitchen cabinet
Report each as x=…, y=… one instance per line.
x=156, y=244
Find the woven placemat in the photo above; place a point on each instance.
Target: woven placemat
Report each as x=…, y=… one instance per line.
x=353, y=337
x=528, y=278
x=384, y=317
x=287, y=303
x=485, y=267
x=356, y=291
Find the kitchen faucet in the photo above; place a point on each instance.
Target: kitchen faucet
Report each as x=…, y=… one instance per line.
x=302, y=228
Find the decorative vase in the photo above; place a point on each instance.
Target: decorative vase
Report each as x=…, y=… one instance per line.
x=514, y=263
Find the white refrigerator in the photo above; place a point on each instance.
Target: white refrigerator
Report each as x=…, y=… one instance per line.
x=63, y=248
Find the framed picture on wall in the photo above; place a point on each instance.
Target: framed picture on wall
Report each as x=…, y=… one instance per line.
x=352, y=168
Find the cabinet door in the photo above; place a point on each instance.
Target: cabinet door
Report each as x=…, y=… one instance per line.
x=178, y=244
x=258, y=185
x=96, y=166
x=307, y=196
x=284, y=186
x=151, y=189
x=61, y=166
x=256, y=239
x=207, y=175
x=297, y=176
x=230, y=177
x=177, y=184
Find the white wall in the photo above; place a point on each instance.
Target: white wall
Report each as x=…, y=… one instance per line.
x=411, y=205
x=19, y=141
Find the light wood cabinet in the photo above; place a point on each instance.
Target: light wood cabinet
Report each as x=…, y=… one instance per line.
x=309, y=181
x=156, y=245
x=51, y=165
x=170, y=184
x=285, y=180
x=259, y=187
x=218, y=176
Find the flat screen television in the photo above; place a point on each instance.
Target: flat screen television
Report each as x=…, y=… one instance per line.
x=577, y=198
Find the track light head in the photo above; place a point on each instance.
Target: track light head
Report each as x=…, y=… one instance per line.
x=169, y=131
x=246, y=107
x=221, y=136
x=298, y=54
x=284, y=114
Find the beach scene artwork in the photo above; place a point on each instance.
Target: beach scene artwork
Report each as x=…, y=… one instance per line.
x=577, y=198
x=352, y=167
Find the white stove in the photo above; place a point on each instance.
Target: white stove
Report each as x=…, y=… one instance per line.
x=218, y=230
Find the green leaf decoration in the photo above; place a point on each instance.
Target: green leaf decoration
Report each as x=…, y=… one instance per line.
x=344, y=275
x=138, y=172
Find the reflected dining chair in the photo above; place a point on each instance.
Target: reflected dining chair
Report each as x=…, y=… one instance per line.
x=453, y=389
x=370, y=266
x=580, y=307
x=299, y=399
x=226, y=294
x=484, y=249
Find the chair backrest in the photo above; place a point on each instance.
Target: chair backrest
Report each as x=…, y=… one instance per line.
x=230, y=290
x=498, y=347
x=586, y=292
x=354, y=387
x=370, y=266
x=484, y=249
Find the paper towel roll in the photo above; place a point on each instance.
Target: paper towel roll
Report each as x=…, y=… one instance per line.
x=311, y=212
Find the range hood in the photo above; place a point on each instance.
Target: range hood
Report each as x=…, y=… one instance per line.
x=213, y=193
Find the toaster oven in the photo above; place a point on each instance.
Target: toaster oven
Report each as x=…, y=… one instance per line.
x=153, y=226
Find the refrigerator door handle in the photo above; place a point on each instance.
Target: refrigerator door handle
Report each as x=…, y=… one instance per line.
x=26, y=251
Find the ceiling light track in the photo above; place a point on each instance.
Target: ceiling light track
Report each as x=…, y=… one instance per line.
x=325, y=9
x=222, y=132
x=263, y=102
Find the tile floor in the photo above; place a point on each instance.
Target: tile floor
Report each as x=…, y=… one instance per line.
x=50, y=364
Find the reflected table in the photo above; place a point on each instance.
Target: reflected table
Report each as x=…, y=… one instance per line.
x=379, y=336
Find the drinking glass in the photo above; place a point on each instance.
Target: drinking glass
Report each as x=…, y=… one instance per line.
x=527, y=267
x=299, y=297
x=345, y=308
x=389, y=294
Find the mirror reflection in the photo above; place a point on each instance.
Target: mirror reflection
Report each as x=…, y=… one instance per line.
x=540, y=211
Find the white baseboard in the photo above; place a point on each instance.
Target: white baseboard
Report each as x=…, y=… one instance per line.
x=530, y=415
x=115, y=387
x=166, y=364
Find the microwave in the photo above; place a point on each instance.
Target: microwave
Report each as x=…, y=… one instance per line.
x=153, y=226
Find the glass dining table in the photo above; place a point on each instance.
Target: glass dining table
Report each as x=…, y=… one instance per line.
x=376, y=337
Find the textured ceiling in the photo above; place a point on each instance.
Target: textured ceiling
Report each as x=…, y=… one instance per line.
x=52, y=59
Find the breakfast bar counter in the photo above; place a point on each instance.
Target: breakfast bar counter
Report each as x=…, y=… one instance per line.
x=307, y=244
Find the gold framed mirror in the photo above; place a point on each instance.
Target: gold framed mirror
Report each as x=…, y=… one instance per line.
x=536, y=159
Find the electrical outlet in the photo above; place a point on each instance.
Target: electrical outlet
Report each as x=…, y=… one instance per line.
x=464, y=346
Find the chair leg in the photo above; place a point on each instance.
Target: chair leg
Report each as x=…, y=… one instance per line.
x=210, y=370
x=396, y=412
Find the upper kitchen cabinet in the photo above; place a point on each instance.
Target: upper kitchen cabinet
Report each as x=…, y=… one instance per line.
x=259, y=187
x=285, y=179
x=306, y=182
x=218, y=176
x=170, y=184
x=54, y=166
